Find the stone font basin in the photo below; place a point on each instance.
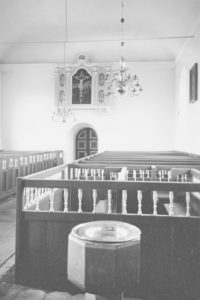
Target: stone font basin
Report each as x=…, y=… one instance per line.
x=104, y=256
x=106, y=232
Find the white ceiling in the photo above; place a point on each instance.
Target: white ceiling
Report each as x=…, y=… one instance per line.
x=34, y=30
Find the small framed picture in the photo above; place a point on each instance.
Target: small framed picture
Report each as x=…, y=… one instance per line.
x=194, y=83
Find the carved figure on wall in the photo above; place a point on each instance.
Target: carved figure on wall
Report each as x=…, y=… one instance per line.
x=62, y=79
x=62, y=96
x=81, y=87
x=101, y=96
x=101, y=79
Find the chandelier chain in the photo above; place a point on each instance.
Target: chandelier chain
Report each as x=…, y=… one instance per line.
x=122, y=81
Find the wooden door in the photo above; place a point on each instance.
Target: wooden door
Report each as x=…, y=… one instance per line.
x=86, y=142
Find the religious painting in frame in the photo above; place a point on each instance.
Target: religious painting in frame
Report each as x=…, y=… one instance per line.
x=81, y=87
x=193, y=83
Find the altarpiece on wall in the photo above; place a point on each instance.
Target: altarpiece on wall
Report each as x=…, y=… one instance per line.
x=82, y=85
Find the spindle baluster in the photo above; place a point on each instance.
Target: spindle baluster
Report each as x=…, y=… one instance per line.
x=169, y=175
x=139, y=198
x=37, y=200
x=51, y=204
x=79, y=174
x=36, y=195
x=171, y=203
x=134, y=175
x=80, y=200
x=71, y=173
x=109, y=201
x=76, y=173
x=187, y=204
x=124, y=201
x=66, y=200
x=102, y=174
x=94, y=195
x=142, y=175
x=32, y=196
x=95, y=174
x=86, y=174
x=155, y=202
x=25, y=196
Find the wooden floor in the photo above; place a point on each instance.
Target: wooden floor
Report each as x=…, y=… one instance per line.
x=8, y=290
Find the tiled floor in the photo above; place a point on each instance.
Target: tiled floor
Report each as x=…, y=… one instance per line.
x=8, y=290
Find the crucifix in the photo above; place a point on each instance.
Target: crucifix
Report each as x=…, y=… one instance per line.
x=81, y=78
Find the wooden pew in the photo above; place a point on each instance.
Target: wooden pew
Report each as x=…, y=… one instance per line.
x=21, y=163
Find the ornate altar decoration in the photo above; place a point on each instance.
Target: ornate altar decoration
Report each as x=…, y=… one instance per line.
x=79, y=86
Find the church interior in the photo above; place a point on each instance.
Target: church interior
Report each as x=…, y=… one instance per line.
x=99, y=125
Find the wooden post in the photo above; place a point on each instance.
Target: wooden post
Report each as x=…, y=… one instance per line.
x=19, y=230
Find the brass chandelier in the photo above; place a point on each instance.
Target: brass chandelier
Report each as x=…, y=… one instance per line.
x=122, y=81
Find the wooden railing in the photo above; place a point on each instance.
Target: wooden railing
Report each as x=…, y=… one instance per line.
x=34, y=190
x=47, y=210
x=135, y=173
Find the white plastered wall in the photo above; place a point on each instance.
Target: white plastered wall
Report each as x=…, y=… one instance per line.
x=145, y=122
x=187, y=114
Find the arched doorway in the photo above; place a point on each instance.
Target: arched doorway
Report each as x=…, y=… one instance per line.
x=86, y=142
